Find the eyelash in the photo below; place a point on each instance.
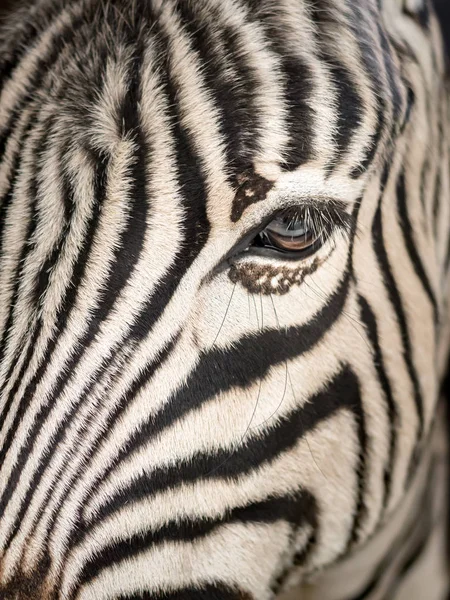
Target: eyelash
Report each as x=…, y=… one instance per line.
x=322, y=219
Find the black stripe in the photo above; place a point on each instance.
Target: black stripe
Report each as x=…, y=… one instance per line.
x=362, y=468
x=9, y=400
x=100, y=184
x=396, y=301
x=295, y=509
x=80, y=265
x=131, y=240
x=419, y=526
x=349, y=110
x=20, y=39
x=70, y=205
x=420, y=15
x=193, y=185
x=423, y=185
x=233, y=98
x=371, y=151
x=392, y=74
x=196, y=229
x=447, y=256
x=42, y=279
x=6, y=205
x=409, y=563
x=436, y=201
x=349, y=104
x=269, y=349
x=299, y=86
x=149, y=370
x=369, y=320
x=410, y=103
x=210, y=591
x=126, y=256
x=32, y=194
x=248, y=360
x=100, y=167
x=361, y=29
x=408, y=236
x=43, y=66
x=128, y=249
x=341, y=393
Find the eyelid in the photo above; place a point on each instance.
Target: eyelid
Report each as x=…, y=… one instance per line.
x=294, y=226
x=327, y=215
x=337, y=214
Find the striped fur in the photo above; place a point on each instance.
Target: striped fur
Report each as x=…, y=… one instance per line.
x=181, y=418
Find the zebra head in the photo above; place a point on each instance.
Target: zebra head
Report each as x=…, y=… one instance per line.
x=224, y=252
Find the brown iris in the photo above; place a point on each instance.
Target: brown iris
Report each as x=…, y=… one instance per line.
x=289, y=234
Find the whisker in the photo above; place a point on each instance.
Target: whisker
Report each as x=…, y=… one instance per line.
x=306, y=439
x=262, y=311
x=281, y=401
x=256, y=310
x=225, y=315
x=239, y=442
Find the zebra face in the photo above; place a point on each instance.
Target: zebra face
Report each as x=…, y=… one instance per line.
x=223, y=265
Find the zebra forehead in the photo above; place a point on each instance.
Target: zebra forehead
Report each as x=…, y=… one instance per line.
x=235, y=84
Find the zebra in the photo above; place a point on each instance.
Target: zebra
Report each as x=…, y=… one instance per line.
x=224, y=300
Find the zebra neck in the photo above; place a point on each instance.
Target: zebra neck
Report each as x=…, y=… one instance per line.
x=407, y=559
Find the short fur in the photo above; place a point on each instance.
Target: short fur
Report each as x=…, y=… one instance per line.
x=182, y=413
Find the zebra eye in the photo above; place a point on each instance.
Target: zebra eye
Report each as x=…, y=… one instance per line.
x=290, y=233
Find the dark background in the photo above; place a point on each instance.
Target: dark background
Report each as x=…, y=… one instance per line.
x=443, y=8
